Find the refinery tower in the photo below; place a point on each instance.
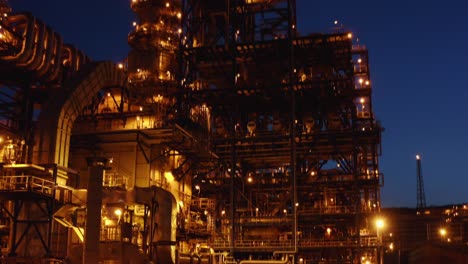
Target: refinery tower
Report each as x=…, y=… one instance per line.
x=225, y=136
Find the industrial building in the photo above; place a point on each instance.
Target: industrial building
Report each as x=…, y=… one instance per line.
x=434, y=234
x=225, y=136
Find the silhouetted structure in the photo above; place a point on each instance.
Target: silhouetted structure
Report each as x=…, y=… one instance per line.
x=421, y=196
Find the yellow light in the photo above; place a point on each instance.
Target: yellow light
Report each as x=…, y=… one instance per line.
x=328, y=230
x=418, y=157
x=350, y=35
x=134, y=23
x=361, y=80
x=120, y=65
x=167, y=4
x=367, y=82
x=359, y=60
x=297, y=204
x=249, y=179
x=179, y=31
x=443, y=232
x=197, y=187
x=362, y=100
x=223, y=212
x=335, y=22
x=179, y=15
x=379, y=223
x=1, y=35
x=118, y=212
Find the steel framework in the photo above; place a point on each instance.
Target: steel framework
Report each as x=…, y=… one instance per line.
x=252, y=138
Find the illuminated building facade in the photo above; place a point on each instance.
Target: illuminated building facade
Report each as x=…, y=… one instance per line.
x=224, y=137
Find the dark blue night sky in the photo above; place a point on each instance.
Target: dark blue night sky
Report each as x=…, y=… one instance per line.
x=419, y=68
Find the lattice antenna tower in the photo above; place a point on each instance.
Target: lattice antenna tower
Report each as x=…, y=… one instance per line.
x=421, y=199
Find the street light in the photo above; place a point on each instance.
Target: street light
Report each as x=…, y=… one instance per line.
x=379, y=225
x=442, y=233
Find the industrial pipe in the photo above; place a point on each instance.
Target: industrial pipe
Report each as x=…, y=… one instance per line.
x=23, y=24
x=41, y=51
x=96, y=166
x=162, y=222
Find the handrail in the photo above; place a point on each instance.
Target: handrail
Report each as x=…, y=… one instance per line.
x=28, y=183
x=304, y=243
x=336, y=209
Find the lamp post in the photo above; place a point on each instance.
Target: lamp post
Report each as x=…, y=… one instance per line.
x=379, y=225
x=442, y=233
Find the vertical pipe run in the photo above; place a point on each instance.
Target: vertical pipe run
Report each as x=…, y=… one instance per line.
x=233, y=48
x=232, y=198
x=51, y=206
x=96, y=166
x=291, y=23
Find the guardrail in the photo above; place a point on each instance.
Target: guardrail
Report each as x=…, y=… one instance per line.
x=304, y=243
x=328, y=210
x=27, y=183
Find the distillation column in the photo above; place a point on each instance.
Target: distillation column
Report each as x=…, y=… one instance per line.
x=152, y=62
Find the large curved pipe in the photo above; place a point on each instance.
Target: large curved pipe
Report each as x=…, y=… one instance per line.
x=56, y=66
x=43, y=55
x=33, y=60
x=40, y=51
x=51, y=59
x=23, y=25
x=72, y=58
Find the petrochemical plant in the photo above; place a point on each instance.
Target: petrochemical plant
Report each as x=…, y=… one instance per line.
x=223, y=137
